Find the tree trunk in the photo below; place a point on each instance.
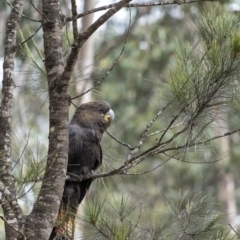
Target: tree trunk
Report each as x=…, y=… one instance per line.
x=42, y=219
x=12, y=213
x=86, y=57
x=225, y=183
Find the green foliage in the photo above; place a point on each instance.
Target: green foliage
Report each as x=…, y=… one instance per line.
x=204, y=82
x=93, y=210
x=28, y=169
x=36, y=68
x=187, y=219
x=235, y=44
x=196, y=219
x=101, y=222
x=207, y=72
x=67, y=41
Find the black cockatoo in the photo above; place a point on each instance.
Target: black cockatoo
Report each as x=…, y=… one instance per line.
x=85, y=155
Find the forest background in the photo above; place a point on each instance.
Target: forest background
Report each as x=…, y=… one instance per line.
x=146, y=39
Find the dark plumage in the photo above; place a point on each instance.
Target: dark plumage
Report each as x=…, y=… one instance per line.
x=85, y=154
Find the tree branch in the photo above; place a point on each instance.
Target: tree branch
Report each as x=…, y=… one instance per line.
x=164, y=3
x=20, y=12
x=111, y=68
x=151, y=170
x=106, y=48
x=119, y=141
x=145, y=132
x=82, y=38
x=150, y=4
x=136, y=160
x=74, y=14
x=234, y=230
x=39, y=11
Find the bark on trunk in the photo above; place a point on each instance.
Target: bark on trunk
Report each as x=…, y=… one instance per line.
x=42, y=219
x=12, y=213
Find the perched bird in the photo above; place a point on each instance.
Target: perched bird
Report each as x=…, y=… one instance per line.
x=86, y=128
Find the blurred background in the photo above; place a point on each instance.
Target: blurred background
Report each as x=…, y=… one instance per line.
x=131, y=89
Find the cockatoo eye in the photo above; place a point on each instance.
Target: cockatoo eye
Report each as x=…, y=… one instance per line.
x=101, y=110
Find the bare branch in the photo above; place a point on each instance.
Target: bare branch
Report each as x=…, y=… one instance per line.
x=164, y=3
x=145, y=133
x=112, y=67
x=150, y=4
x=198, y=143
x=134, y=161
x=119, y=141
x=106, y=48
x=106, y=7
x=205, y=162
x=74, y=14
x=39, y=11
x=82, y=38
x=160, y=131
x=151, y=170
x=14, y=8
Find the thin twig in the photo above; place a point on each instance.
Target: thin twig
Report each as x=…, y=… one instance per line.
x=151, y=170
x=23, y=186
x=112, y=67
x=160, y=131
x=33, y=20
x=74, y=104
x=122, y=169
x=134, y=5
x=149, y=151
x=82, y=38
x=171, y=123
x=24, y=148
x=198, y=143
x=234, y=230
x=39, y=10
x=19, y=45
x=178, y=2
x=145, y=134
x=106, y=50
x=119, y=141
x=180, y=236
x=205, y=162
